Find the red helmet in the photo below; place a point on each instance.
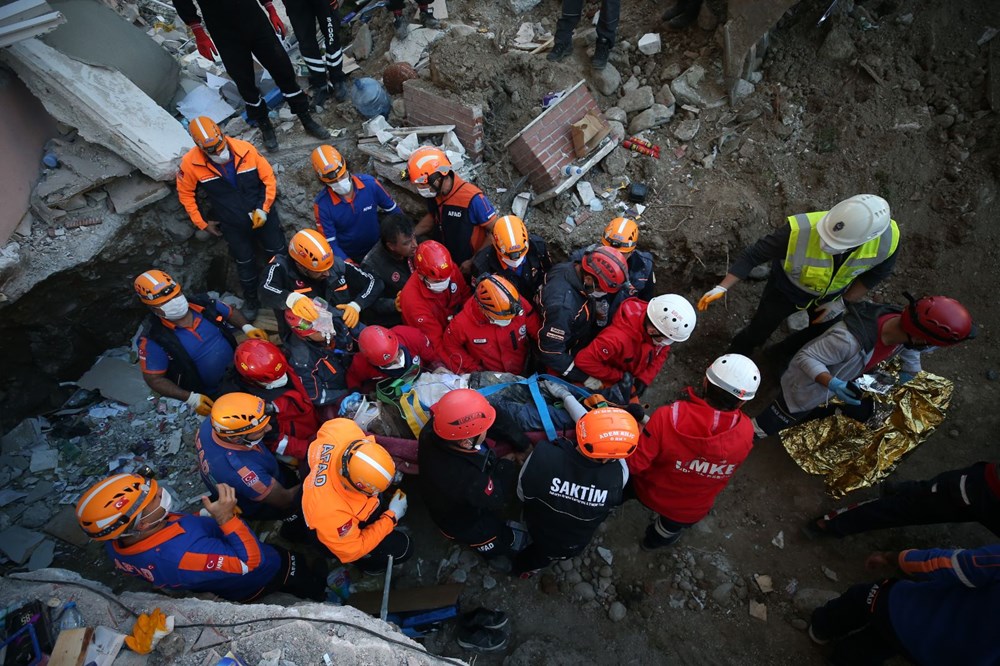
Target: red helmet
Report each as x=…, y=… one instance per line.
x=939, y=320
x=379, y=345
x=433, y=261
x=462, y=414
x=260, y=361
x=606, y=265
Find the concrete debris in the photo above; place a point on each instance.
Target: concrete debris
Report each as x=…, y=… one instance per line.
x=607, y=80
x=690, y=87
x=631, y=84
x=617, y=612
x=116, y=379
x=838, y=45
x=44, y=459
x=83, y=166
x=764, y=583
x=17, y=543
x=779, y=539
x=830, y=573
x=522, y=6
x=654, y=116
x=605, y=554
x=758, y=611
x=413, y=48
x=616, y=113
x=135, y=192
x=42, y=555
x=364, y=44
x=25, y=436
x=649, y=43
x=639, y=99
x=686, y=130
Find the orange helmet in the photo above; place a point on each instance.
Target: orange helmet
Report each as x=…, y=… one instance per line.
x=462, y=414
x=155, y=287
x=607, y=266
x=510, y=238
x=607, y=432
x=236, y=415
x=367, y=467
x=426, y=161
x=498, y=298
x=621, y=234
x=329, y=164
x=433, y=261
x=207, y=135
x=109, y=507
x=311, y=250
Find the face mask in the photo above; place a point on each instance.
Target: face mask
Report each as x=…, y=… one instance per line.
x=396, y=364
x=438, y=287
x=166, y=501
x=175, y=308
x=502, y=323
x=427, y=192
x=220, y=158
x=342, y=186
x=662, y=342
x=598, y=294
x=514, y=263
x=277, y=383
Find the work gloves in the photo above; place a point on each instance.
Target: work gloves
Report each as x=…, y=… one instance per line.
x=201, y=404
x=302, y=306
x=398, y=505
x=592, y=383
x=847, y=393
x=398, y=302
x=828, y=311
x=148, y=630
x=204, y=43
x=258, y=218
x=350, y=312
x=276, y=23
x=255, y=333
x=711, y=296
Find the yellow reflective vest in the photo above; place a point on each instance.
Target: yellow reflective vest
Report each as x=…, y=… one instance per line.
x=811, y=269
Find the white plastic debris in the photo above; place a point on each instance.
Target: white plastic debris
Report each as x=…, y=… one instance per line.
x=779, y=539
x=650, y=43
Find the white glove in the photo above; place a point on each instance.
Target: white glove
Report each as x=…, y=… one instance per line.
x=398, y=504
x=201, y=404
x=827, y=311
x=593, y=383
x=710, y=296
x=557, y=391
x=279, y=450
x=258, y=218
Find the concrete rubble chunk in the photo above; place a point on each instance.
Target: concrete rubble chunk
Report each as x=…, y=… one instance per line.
x=363, y=43
x=654, y=116
x=607, y=80
x=758, y=611
x=692, y=88
x=65, y=527
x=17, y=543
x=412, y=48
x=686, y=130
x=116, y=380
x=650, y=43
x=22, y=438
x=44, y=459
x=838, y=45
x=615, y=113
x=665, y=96
x=631, y=84
x=42, y=555
x=743, y=89
x=522, y=6
x=639, y=99
x=134, y=192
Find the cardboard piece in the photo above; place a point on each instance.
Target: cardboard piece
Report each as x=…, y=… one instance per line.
x=116, y=380
x=105, y=647
x=71, y=647
x=588, y=133
x=408, y=601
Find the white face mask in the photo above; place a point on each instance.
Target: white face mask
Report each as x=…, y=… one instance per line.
x=166, y=501
x=662, y=342
x=438, y=287
x=176, y=308
x=220, y=158
x=502, y=323
x=514, y=263
x=342, y=186
x=398, y=363
x=426, y=192
x=277, y=383
x=598, y=294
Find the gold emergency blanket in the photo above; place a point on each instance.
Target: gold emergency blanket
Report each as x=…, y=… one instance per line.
x=854, y=455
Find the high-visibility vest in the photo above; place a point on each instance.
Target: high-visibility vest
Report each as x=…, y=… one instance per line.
x=811, y=269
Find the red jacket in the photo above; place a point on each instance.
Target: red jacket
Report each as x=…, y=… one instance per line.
x=296, y=419
x=430, y=312
x=471, y=343
x=687, y=454
x=623, y=346
x=362, y=372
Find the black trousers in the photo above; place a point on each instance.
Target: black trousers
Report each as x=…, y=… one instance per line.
x=858, y=623
x=304, y=15
x=243, y=240
x=490, y=536
x=397, y=5
x=297, y=577
x=238, y=43
x=776, y=417
x=572, y=10
x=774, y=308
x=396, y=543
x=956, y=496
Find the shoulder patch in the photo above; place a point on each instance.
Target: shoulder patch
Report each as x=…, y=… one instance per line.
x=250, y=479
x=344, y=529
x=489, y=487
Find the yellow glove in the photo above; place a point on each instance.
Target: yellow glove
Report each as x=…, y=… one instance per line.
x=712, y=295
x=255, y=333
x=201, y=404
x=148, y=630
x=258, y=218
x=399, y=303
x=302, y=306
x=351, y=312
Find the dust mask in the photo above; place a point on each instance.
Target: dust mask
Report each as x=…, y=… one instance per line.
x=166, y=501
x=502, y=323
x=438, y=287
x=427, y=192
x=515, y=263
x=277, y=383
x=342, y=186
x=598, y=294
x=398, y=363
x=176, y=308
x=220, y=158
x=662, y=342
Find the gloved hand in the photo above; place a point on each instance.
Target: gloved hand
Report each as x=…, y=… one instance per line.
x=712, y=295
x=638, y=388
x=557, y=391
x=595, y=401
x=905, y=377
x=201, y=404
x=350, y=313
x=255, y=333
x=204, y=43
x=270, y=409
x=592, y=383
x=398, y=303
x=258, y=218
x=276, y=23
x=842, y=390
x=148, y=630
x=302, y=306
x=350, y=404
x=827, y=311
x=398, y=505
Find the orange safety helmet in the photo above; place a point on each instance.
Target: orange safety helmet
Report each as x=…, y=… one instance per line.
x=260, y=361
x=155, y=287
x=329, y=164
x=607, y=266
x=110, y=506
x=510, y=238
x=367, y=467
x=607, y=432
x=498, y=298
x=462, y=414
x=433, y=261
x=379, y=345
x=311, y=250
x=236, y=415
x=426, y=161
x=622, y=234
x=207, y=135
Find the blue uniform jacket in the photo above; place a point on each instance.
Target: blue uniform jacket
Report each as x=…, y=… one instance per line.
x=251, y=471
x=352, y=227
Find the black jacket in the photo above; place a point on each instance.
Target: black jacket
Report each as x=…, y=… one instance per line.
x=323, y=371
x=533, y=270
x=345, y=283
x=393, y=273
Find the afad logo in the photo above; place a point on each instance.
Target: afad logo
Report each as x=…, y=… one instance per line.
x=214, y=563
x=251, y=479
x=120, y=502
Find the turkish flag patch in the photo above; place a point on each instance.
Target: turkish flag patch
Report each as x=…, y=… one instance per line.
x=344, y=529
x=489, y=487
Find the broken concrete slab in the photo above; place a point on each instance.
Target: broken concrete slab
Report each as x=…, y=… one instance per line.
x=692, y=88
x=134, y=192
x=639, y=99
x=83, y=166
x=412, y=48
x=65, y=527
x=116, y=380
x=22, y=438
x=42, y=555
x=652, y=117
x=44, y=459
x=7, y=495
x=364, y=44
x=17, y=543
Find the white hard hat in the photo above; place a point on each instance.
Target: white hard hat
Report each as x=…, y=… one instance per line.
x=736, y=374
x=854, y=221
x=672, y=316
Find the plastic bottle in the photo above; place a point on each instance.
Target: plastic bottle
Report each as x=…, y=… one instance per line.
x=570, y=170
x=370, y=98
x=70, y=618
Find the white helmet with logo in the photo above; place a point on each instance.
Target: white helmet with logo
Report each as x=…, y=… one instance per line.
x=736, y=374
x=672, y=316
x=854, y=221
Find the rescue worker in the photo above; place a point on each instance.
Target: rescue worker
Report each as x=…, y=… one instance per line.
x=434, y=293
x=622, y=234
x=465, y=486
x=818, y=261
x=515, y=255
x=217, y=553
x=312, y=271
x=459, y=211
x=607, y=28
x=576, y=303
x=869, y=334
x=348, y=472
x=637, y=341
x=690, y=449
x=317, y=360
x=569, y=489
x=263, y=371
x=241, y=33
x=937, y=612
x=347, y=208
x=402, y=26
x=391, y=261
x=389, y=352
x=494, y=331
x=231, y=450
x=239, y=186
x=326, y=74
x=185, y=348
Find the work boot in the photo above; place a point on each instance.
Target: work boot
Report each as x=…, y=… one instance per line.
x=601, y=54
x=251, y=304
x=320, y=96
x=428, y=21
x=312, y=127
x=485, y=618
x=401, y=26
x=560, y=51
x=481, y=639
x=340, y=90
x=267, y=134
x=683, y=14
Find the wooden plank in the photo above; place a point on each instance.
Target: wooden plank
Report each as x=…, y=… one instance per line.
x=408, y=601
x=71, y=647
x=421, y=130
x=545, y=46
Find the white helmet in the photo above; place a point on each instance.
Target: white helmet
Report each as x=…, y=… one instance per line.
x=736, y=374
x=854, y=221
x=672, y=316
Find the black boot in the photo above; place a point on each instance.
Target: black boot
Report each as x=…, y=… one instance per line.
x=251, y=307
x=320, y=96
x=267, y=134
x=601, y=54
x=339, y=90
x=560, y=51
x=401, y=26
x=683, y=14
x=312, y=127
x=428, y=21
